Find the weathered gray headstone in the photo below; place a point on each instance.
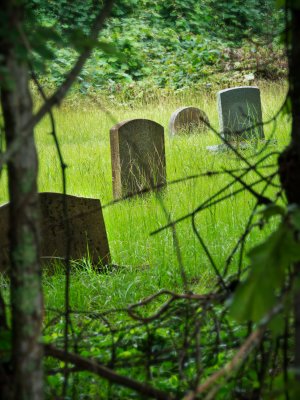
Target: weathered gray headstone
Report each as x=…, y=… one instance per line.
x=240, y=113
x=188, y=120
x=86, y=228
x=137, y=156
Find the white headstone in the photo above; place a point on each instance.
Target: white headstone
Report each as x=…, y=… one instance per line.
x=240, y=113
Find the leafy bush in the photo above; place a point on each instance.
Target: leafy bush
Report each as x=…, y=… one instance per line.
x=171, y=43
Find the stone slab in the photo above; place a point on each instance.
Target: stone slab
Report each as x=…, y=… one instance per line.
x=239, y=146
x=87, y=229
x=188, y=120
x=224, y=147
x=137, y=156
x=239, y=113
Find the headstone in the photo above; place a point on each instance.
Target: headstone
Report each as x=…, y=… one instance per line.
x=240, y=113
x=137, y=156
x=188, y=120
x=86, y=228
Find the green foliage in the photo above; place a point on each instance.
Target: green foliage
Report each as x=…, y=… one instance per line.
x=148, y=263
x=172, y=43
x=67, y=16
x=168, y=45
x=292, y=4
x=5, y=345
x=269, y=265
x=236, y=20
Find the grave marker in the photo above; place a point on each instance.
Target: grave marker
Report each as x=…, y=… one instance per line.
x=86, y=225
x=240, y=112
x=188, y=120
x=137, y=156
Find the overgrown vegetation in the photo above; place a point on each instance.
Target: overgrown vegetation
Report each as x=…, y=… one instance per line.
x=202, y=308
x=147, y=264
x=168, y=44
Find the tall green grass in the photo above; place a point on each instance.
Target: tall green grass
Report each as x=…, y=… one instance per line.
x=149, y=263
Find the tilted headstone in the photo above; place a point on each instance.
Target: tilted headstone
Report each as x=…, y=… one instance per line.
x=137, y=156
x=188, y=120
x=240, y=113
x=87, y=234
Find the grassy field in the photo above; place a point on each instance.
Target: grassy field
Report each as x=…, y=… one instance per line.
x=149, y=263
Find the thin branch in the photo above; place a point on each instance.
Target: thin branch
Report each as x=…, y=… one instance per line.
x=260, y=198
x=206, y=204
x=252, y=341
x=184, y=179
x=241, y=131
x=207, y=252
x=106, y=373
x=175, y=243
x=165, y=306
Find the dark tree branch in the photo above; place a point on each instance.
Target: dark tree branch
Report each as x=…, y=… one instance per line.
x=243, y=352
x=207, y=204
x=172, y=297
x=106, y=373
x=259, y=197
x=3, y=317
x=208, y=254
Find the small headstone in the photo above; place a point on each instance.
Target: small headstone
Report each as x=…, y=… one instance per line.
x=188, y=120
x=240, y=113
x=137, y=156
x=86, y=228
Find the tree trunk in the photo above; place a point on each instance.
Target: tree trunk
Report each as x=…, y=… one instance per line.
x=26, y=291
x=289, y=160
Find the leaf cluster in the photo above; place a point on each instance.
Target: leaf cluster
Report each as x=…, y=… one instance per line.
x=172, y=43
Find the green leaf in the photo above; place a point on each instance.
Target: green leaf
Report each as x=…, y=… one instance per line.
x=294, y=4
x=270, y=210
x=277, y=325
x=111, y=50
x=5, y=345
x=280, y=4
x=295, y=218
x=269, y=261
x=287, y=108
x=5, y=340
x=107, y=48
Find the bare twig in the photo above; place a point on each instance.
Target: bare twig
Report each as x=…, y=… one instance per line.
x=106, y=373
x=207, y=252
x=165, y=306
x=206, y=204
x=252, y=341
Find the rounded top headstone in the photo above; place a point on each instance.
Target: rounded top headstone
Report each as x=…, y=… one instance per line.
x=139, y=122
x=188, y=120
x=137, y=156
